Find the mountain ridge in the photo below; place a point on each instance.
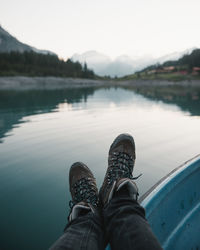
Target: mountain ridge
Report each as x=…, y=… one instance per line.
x=100, y=63
x=10, y=43
x=122, y=65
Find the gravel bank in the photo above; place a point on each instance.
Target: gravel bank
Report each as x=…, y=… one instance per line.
x=50, y=83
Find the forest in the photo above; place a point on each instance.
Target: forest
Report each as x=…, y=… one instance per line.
x=31, y=63
x=186, y=62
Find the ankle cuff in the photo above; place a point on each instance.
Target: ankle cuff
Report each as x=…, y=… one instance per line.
x=130, y=185
x=78, y=208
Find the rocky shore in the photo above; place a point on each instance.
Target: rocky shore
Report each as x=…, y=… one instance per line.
x=34, y=83
x=51, y=83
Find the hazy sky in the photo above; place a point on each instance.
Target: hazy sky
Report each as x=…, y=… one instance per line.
x=112, y=27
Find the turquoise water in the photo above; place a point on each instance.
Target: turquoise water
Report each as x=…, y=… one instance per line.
x=43, y=132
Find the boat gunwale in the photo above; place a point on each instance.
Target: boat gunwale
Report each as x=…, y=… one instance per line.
x=166, y=179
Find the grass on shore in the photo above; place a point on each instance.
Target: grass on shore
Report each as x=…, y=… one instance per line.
x=168, y=76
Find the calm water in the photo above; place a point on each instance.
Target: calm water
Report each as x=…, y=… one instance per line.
x=43, y=132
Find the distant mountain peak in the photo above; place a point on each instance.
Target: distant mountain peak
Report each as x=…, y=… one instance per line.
x=3, y=32
x=93, y=53
x=175, y=55
x=123, y=64
x=9, y=43
x=94, y=60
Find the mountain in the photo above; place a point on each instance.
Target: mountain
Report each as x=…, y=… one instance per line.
x=95, y=60
x=122, y=65
x=175, y=55
x=102, y=64
x=187, y=61
x=187, y=64
x=10, y=43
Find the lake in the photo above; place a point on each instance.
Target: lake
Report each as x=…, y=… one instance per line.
x=43, y=132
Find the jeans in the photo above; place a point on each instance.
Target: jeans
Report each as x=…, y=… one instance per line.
x=121, y=223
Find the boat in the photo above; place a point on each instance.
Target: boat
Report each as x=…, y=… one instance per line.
x=173, y=207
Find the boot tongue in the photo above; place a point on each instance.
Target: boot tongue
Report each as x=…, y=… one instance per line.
x=79, y=209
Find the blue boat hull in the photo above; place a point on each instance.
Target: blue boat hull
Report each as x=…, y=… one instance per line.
x=173, y=207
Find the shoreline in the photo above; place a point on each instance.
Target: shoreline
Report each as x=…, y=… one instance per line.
x=21, y=83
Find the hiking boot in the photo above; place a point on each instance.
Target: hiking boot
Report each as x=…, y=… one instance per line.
x=83, y=190
x=121, y=159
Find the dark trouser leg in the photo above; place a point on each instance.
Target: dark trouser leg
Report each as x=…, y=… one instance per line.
x=83, y=233
x=126, y=226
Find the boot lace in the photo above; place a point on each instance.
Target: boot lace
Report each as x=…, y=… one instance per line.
x=84, y=190
x=121, y=166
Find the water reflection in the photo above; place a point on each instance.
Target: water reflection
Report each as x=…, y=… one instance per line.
x=57, y=128
x=187, y=98
x=14, y=105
